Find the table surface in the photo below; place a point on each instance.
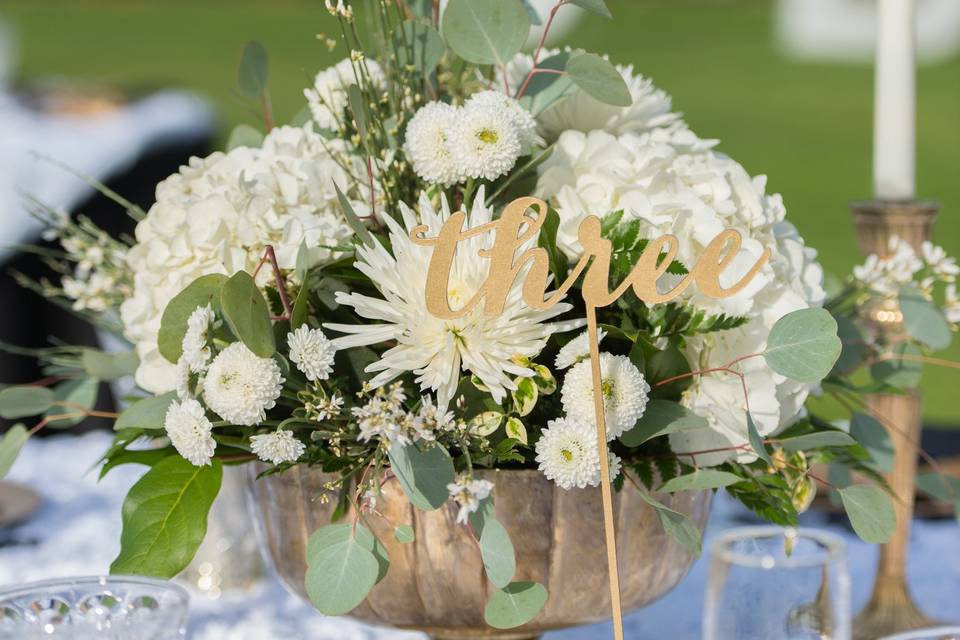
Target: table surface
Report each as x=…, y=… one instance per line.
x=77, y=532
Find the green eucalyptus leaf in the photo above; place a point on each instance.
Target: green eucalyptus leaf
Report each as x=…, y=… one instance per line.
x=546, y=89
x=803, y=345
x=660, y=418
x=23, y=401
x=247, y=314
x=817, y=440
x=75, y=394
x=496, y=549
x=873, y=437
x=10, y=445
x=923, y=319
x=423, y=475
x=941, y=487
x=109, y=366
x=854, y=346
x=598, y=7
x=485, y=31
x=870, y=511
x=900, y=372
x=203, y=291
x=243, y=135
x=699, y=480
x=341, y=570
x=165, y=517
x=148, y=413
x=418, y=45
x=756, y=440
x=599, y=79
x=404, y=534
x=484, y=513
x=252, y=73
x=678, y=526
x=372, y=544
x=516, y=604
x=515, y=429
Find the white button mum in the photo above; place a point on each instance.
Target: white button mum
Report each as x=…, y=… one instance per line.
x=240, y=386
x=190, y=431
x=438, y=350
x=312, y=352
x=523, y=121
x=577, y=349
x=624, y=393
x=468, y=493
x=427, y=146
x=567, y=454
x=485, y=142
x=277, y=447
x=195, y=344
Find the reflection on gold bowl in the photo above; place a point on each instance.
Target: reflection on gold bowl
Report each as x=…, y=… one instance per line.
x=436, y=584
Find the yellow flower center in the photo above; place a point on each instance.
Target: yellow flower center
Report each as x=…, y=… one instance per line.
x=567, y=454
x=606, y=387
x=488, y=136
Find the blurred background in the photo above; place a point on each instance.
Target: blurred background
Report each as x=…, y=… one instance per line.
x=785, y=85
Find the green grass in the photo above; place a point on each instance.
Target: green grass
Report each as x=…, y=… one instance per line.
x=806, y=126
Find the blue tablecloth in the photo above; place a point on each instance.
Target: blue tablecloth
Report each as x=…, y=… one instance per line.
x=77, y=532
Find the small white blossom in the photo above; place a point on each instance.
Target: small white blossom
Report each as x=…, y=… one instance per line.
x=523, y=121
x=613, y=465
x=311, y=352
x=937, y=259
x=329, y=407
x=951, y=306
x=427, y=143
x=577, y=349
x=624, y=393
x=341, y=9
x=485, y=143
x=240, y=386
x=196, y=340
x=190, y=431
x=277, y=447
x=567, y=454
x=468, y=493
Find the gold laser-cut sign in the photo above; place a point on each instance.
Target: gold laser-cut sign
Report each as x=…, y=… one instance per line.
x=513, y=230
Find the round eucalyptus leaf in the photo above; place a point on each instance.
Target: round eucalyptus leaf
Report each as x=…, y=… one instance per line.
x=599, y=79
x=598, y=7
x=485, y=31
x=423, y=475
x=252, y=73
x=243, y=135
x=77, y=395
x=873, y=437
x=516, y=604
x=26, y=400
x=496, y=549
x=341, y=570
x=870, y=511
x=803, y=345
x=923, y=320
x=897, y=370
x=418, y=45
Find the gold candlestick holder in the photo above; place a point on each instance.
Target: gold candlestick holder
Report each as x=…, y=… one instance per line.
x=891, y=608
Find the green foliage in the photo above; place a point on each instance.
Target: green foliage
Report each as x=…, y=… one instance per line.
x=598, y=7
x=545, y=89
x=898, y=371
x=165, y=517
x=341, y=567
x=10, y=445
x=485, y=31
x=548, y=240
x=77, y=395
x=247, y=314
x=817, y=440
x=525, y=396
x=699, y=480
x=148, y=457
x=873, y=437
x=252, y=72
x=923, y=319
x=677, y=526
x=756, y=440
x=515, y=430
x=667, y=363
x=870, y=511
x=418, y=45
x=515, y=605
x=598, y=78
x=24, y=401
x=203, y=291
x=358, y=109
x=660, y=418
x=108, y=366
x=484, y=513
x=496, y=549
x=148, y=413
x=938, y=486
x=404, y=534
x=363, y=234
x=767, y=495
x=243, y=135
x=803, y=345
x=854, y=346
x=423, y=475
x=673, y=319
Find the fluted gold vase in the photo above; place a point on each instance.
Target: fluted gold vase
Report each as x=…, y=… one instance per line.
x=436, y=584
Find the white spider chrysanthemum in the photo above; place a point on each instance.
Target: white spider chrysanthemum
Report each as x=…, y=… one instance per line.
x=312, y=352
x=435, y=349
x=468, y=494
x=484, y=142
x=195, y=344
x=577, y=349
x=523, y=121
x=567, y=454
x=240, y=386
x=327, y=98
x=190, y=432
x=277, y=447
x=624, y=393
x=426, y=144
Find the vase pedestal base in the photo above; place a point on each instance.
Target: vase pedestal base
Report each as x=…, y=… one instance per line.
x=891, y=610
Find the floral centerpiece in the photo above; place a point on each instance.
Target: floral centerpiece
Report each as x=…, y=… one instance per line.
x=275, y=301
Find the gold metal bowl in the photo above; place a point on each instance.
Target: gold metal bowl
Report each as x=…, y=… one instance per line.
x=436, y=584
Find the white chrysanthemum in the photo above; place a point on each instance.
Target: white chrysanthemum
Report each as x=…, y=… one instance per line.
x=567, y=453
x=468, y=493
x=434, y=349
x=240, y=386
x=277, y=447
x=311, y=352
x=196, y=340
x=649, y=115
x=328, y=99
x=484, y=142
x=218, y=213
x=426, y=143
x=523, y=121
x=190, y=431
x=577, y=349
x=614, y=465
x=624, y=393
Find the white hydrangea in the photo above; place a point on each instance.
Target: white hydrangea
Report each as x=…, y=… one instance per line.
x=277, y=447
x=695, y=196
x=218, y=213
x=567, y=454
x=485, y=142
x=650, y=114
x=190, y=432
x=427, y=146
x=577, y=349
x=624, y=393
x=328, y=98
x=311, y=352
x=196, y=340
x=468, y=493
x=240, y=386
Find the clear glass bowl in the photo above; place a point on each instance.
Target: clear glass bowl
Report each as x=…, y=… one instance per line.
x=94, y=608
